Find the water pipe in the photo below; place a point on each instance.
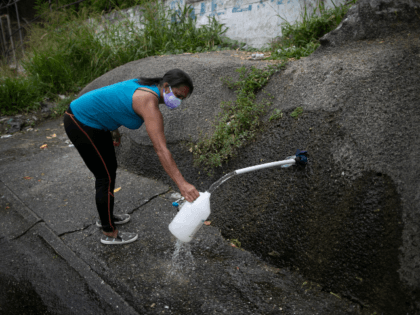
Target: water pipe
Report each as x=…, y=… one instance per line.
x=192, y=215
x=299, y=158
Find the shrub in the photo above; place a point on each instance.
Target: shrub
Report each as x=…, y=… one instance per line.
x=238, y=121
x=302, y=38
x=18, y=94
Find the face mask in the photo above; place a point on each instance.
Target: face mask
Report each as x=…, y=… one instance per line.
x=170, y=99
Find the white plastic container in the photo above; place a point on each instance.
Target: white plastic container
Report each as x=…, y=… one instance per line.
x=191, y=218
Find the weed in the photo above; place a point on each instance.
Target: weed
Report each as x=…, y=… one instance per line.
x=277, y=114
x=297, y=112
x=235, y=242
x=238, y=121
x=18, y=94
x=302, y=38
x=62, y=106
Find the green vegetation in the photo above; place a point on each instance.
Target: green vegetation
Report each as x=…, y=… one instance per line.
x=18, y=94
x=235, y=242
x=297, y=112
x=302, y=38
x=238, y=121
x=96, y=6
x=68, y=51
x=62, y=106
x=276, y=114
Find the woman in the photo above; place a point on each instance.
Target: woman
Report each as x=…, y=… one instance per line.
x=91, y=118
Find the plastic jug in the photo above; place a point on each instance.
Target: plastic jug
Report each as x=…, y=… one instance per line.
x=191, y=218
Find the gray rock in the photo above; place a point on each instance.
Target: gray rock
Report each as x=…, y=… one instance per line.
x=15, y=125
x=371, y=19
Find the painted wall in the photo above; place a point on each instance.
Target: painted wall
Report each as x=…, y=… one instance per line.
x=255, y=23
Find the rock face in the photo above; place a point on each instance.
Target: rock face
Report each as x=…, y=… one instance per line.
x=371, y=19
x=348, y=220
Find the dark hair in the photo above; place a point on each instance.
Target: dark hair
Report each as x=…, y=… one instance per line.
x=174, y=77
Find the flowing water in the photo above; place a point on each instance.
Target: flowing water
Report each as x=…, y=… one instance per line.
x=182, y=259
x=214, y=186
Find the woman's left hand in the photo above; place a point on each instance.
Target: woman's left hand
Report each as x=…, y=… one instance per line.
x=116, y=137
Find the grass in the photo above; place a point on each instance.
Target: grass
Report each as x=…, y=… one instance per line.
x=68, y=51
x=301, y=38
x=297, y=112
x=276, y=114
x=93, y=6
x=62, y=106
x=18, y=94
x=238, y=122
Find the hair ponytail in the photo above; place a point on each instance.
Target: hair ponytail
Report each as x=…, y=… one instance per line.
x=149, y=81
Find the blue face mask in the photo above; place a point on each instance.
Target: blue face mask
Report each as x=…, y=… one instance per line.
x=170, y=99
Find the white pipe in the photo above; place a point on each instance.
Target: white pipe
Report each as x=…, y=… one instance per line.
x=266, y=165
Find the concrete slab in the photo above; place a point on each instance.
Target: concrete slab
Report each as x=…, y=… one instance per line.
x=41, y=275
x=58, y=186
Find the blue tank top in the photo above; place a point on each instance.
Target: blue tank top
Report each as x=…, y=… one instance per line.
x=110, y=107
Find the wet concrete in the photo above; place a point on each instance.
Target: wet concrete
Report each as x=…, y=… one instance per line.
x=52, y=266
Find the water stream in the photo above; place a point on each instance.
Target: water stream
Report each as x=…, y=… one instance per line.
x=215, y=185
x=182, y=259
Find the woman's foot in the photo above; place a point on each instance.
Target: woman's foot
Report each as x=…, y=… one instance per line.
x=118, y=238
x=118, y=219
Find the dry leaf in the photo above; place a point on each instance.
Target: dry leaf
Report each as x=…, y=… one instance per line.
x=207, y=222
x=117, y=189
x=44, y=146
x=54, y=135
x=27, y=177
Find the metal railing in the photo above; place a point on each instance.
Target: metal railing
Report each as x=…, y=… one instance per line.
x=8, y=44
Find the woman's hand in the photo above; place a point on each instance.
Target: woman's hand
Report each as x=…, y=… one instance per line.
x=189, y=192
x=116, y=137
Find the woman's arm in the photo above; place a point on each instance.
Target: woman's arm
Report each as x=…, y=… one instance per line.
x=147, y=107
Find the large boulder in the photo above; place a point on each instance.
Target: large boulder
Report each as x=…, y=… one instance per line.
x=349, y=219
x=371, y=19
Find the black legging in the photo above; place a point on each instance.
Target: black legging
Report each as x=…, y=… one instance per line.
x=96, y=148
